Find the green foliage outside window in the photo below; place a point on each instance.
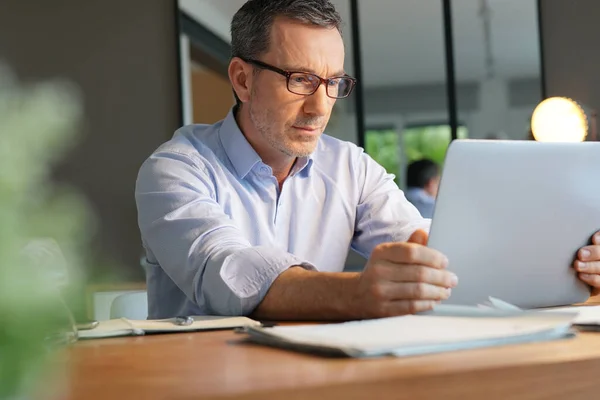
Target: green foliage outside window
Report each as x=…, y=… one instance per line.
x=430, y=141
x=383, y=146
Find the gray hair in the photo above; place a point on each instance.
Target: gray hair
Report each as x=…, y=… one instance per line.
x=251, y=25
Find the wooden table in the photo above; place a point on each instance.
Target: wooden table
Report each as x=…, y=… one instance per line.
x=220, y=365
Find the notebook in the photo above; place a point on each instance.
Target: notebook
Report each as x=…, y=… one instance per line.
x=417, y=334
x=129, y=327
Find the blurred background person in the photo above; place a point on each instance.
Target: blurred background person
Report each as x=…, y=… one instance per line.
x=422, y=182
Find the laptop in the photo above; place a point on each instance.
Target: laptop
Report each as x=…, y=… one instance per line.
x=511, y=215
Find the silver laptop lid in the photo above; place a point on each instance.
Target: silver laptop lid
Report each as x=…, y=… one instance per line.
x=511, y=215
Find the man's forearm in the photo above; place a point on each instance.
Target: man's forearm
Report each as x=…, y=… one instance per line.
x=298, y=294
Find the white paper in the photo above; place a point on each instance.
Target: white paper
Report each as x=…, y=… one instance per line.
x=587, y=315
x=420, y=331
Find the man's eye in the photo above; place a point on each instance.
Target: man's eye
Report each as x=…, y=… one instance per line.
x=301, y=79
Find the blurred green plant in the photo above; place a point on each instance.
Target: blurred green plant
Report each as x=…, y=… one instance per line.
x=429, y=142
x=383, y=146
x=38, y=125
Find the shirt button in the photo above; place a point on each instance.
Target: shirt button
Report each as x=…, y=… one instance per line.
x=264, y=170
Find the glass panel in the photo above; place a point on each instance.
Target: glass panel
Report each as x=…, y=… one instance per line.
x=497, y=59
x=404, y=78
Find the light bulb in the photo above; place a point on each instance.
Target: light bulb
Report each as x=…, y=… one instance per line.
x=559, y=119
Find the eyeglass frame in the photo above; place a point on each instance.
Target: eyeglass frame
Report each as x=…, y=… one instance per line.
x=287, y=74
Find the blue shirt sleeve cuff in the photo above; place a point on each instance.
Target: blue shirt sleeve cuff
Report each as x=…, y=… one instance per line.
x=244, y=277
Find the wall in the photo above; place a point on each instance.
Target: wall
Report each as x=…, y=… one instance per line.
x=570, y=49
x=211, y=95
x=123, y=56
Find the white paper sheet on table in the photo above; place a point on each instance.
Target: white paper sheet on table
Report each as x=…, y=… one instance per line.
x=419, y=334
x=587, y=315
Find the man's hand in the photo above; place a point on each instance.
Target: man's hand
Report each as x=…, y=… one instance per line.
x=588, y=263
x=404, y=278
x=400, y=278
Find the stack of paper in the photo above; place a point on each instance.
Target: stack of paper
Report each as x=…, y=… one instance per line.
x=588, y=317
x=128, y=327
x=417, y=334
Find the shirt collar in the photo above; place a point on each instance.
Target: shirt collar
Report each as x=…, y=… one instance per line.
x=242, y=155
x=303, y=166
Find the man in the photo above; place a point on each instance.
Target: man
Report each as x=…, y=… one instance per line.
x=255, y=214
x=422, y=182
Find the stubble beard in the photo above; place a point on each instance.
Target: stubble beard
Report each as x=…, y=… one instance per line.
x=282, y=142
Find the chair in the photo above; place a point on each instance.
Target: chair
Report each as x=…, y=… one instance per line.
x=132, y=305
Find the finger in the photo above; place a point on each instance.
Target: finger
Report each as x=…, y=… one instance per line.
x=410, y=253
x=421, y=291
x=393, y=291
x=590, y=267
x=404, y=307
x=419, y=273
x=589, y=253
x=412, y=291
x=389, y=271
x=419, y=237
x=596, y=238
x=591, y=279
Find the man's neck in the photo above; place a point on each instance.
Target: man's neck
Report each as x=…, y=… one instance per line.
x=281, y=166
x=280, y=163
x=282, y=174
x=429, y=192
x=421, y=190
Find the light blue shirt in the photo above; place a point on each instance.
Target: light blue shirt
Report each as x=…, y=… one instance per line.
x=217, y=231
x=424, y=202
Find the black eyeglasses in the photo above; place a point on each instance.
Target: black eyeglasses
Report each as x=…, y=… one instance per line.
x=305, y=83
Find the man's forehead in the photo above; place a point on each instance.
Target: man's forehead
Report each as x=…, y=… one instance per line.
x=300, y=46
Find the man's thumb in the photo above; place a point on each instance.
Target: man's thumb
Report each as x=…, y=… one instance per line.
x=419, y=236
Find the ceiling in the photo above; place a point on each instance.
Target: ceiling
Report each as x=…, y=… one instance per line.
x=402, y=42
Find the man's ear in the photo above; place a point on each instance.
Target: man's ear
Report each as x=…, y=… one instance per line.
x=429, y=183
x=240, y=76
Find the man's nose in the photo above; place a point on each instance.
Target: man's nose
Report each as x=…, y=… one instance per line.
x=318, y=103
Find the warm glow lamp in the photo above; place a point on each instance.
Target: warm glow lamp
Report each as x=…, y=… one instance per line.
x=560, y=119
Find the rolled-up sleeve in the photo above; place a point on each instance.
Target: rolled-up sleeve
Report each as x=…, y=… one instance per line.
x=197, y=245
x=383, y=212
